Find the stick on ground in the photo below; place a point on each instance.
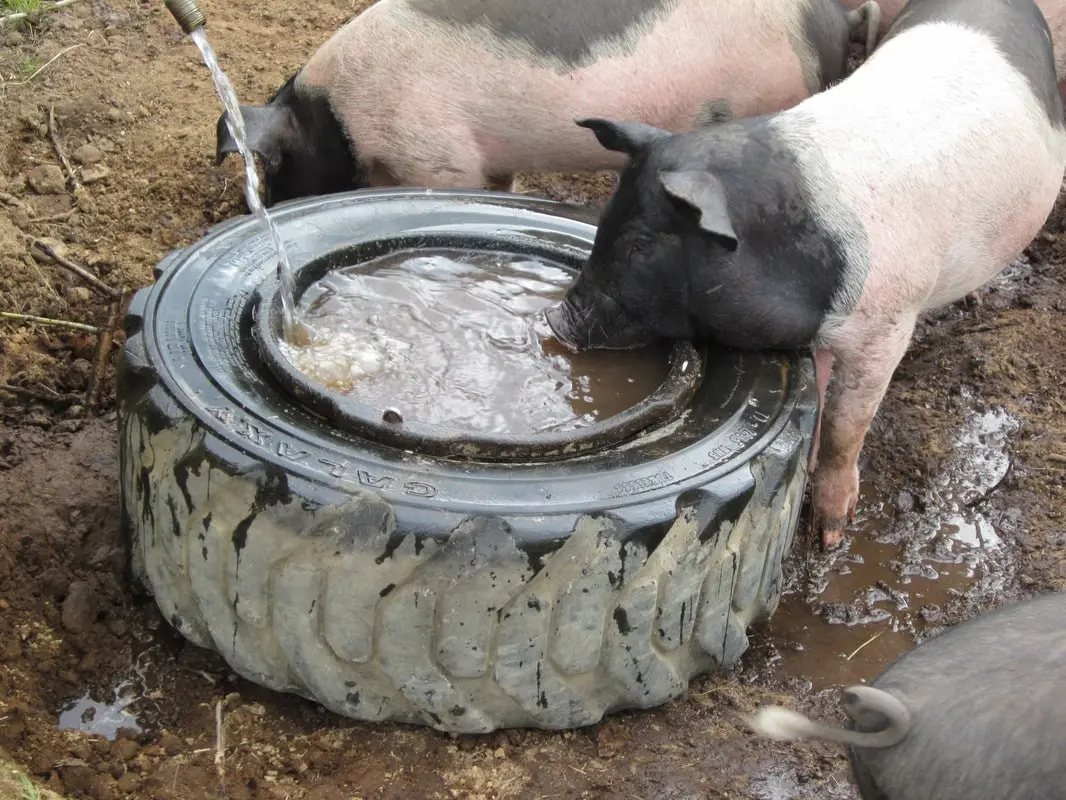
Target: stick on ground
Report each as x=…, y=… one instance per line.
x=103, y=350
x=220, y=747
x=80, y=271
x=56, y=217
x=57, y=323
x=39, y=394
x=53, y=134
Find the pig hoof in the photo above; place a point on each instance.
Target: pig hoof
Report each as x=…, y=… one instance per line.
x=832, y=536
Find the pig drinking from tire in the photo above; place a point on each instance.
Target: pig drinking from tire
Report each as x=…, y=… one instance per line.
x=976, y=713
x=834, y=223
x=465, y=93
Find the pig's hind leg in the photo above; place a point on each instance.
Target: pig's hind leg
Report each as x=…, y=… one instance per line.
x=502, y=183
x=449, y=160
x=867, y=354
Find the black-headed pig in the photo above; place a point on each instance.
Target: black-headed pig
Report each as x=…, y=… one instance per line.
x=836, y=222
x=976, y=713
x=465, y=93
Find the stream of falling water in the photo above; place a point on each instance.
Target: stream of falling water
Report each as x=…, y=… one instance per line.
x=235, y=122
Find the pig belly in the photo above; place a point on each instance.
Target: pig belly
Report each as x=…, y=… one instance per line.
x=973, y=263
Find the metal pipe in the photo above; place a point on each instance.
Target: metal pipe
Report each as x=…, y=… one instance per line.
x=187, y=13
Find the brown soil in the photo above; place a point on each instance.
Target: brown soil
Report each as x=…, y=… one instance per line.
x=135, y=90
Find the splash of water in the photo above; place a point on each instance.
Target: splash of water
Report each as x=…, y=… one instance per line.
x=235, y=122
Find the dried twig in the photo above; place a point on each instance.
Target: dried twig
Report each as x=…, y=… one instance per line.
x=58, y=323
x=38, y=394
x=1056, y=458
x=103, y=349
x=29, y=261
x=43, y=66
x=72, y=179
x=81, y=272
x=56, y=217
x=855, y=652
x=220, y=747
x=43, y=10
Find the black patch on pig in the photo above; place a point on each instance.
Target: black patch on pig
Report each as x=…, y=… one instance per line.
x=715, y=112
x=560, y=30
x=1018, y=29
x=326, y=161
x=318, y=158
x=655, y=274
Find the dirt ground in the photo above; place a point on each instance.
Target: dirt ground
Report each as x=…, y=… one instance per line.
x=962, y=509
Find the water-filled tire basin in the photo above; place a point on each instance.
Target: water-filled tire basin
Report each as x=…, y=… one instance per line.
x=424, y=575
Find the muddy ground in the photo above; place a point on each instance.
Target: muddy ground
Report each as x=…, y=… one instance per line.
x=98, y=698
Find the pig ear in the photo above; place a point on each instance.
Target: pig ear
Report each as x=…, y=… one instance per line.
x=622, y=137
x=270, y=130
x=703, y=191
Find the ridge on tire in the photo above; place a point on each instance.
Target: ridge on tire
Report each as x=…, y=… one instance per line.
x=466, y=597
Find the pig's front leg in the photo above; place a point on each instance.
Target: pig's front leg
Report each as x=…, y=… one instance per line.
x=867, y=354
x=823, y=369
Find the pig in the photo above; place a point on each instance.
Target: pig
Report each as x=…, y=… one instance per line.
x=976, y=713
x=1054, y=13
x=834, y=223
x=465, y=93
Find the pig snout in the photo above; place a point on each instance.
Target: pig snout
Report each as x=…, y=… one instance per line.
x=561, y=321
x=593, y=321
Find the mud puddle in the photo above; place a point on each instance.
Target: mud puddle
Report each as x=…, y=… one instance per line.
x=130, y=703
x=845, y=616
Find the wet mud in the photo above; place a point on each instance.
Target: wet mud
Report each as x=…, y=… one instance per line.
x=962, y=506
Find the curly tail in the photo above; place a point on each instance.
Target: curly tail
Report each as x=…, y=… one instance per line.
x=860, y=702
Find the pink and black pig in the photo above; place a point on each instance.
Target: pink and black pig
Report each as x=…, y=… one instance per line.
x=465, y=93
x=976, y=713
x=835, y=223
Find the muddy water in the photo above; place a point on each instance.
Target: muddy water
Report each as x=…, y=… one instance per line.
x=458, y=338
x=906, y=560
x=128, y=704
